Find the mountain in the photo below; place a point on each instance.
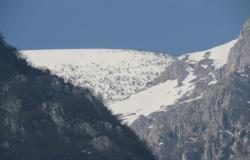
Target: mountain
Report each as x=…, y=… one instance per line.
x=44, y=118
x=135, y=83
x=192, y=107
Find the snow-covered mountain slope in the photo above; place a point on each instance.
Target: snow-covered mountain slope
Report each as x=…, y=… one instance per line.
x=112, y=73
x=136, y=83
x=153, y=99
x=212, y=122
x=195, y=72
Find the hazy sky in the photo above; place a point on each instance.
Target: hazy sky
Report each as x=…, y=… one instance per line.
x=171, y=26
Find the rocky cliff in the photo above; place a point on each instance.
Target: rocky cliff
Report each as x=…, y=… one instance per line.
x=214, y=127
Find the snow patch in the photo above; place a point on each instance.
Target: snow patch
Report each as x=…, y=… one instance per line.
x=193, y=99
x=150, y=126
x=161, y=143
x=218, y=54
x=214, y=81
x=204, y=66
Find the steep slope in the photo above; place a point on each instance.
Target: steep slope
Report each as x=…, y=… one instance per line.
x=44, y=118
x=214, y=127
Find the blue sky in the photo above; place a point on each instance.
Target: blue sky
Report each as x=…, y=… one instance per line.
x=171, y=26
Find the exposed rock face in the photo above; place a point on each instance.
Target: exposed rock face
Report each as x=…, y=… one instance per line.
x=103, y=143
x=208, y=128
x=176, y=70
x=239, y=56
x=44, y=118
x=213, y=127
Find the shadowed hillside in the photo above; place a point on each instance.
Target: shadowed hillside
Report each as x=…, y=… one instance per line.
x=44, y=118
